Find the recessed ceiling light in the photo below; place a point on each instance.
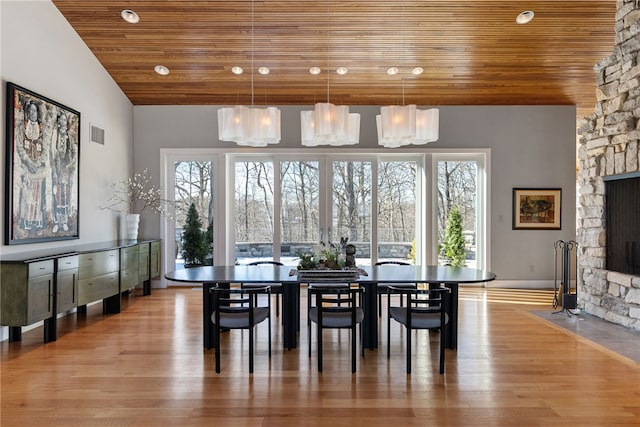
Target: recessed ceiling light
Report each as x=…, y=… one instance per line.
x=416, y=71
x=130, y=16
x=264, y=70
x=525, y=17
x=315, y=70
x=161, y=69
x=392, y=71
x=342, y=70
x=237, y=70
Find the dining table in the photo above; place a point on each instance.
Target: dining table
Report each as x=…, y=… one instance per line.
x=368, y=277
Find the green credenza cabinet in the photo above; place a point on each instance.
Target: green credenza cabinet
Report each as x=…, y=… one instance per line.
x=39, y=285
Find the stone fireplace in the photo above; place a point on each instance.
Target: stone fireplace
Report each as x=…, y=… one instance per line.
x=608, y=148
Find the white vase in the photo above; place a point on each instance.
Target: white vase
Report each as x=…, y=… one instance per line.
x=132, y=222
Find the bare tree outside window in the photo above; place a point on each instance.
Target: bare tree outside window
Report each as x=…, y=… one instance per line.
x=396, y=209
x=299, y=201
x=254, y=202
x=352, y=201
x=349, y=195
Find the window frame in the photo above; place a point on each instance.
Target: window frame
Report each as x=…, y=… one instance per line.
x=223, y=161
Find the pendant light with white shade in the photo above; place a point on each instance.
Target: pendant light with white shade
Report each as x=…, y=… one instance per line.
x=398, y=126
x=249, y=126
x=329, y=124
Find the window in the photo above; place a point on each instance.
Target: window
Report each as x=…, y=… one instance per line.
x=392, y=207
x=460, y=182
x=397, y=219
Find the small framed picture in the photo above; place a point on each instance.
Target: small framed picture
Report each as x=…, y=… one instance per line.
x=537, y=208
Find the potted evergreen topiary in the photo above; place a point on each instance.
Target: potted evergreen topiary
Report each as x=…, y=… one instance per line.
x=195, y=247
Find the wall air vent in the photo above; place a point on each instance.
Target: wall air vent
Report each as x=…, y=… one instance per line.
x=97, y=135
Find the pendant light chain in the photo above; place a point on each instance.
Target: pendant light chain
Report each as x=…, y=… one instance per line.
x=252, y=12
x=328, y=46
x=404, y=47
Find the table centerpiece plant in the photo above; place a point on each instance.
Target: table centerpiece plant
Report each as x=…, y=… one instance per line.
x=331, y=256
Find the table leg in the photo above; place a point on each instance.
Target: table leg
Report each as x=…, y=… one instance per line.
x=290, y=314
x=370, y=322
x=451, y=339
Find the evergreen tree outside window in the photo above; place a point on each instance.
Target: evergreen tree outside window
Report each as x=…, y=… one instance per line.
x=195, y=247
x=454, y=244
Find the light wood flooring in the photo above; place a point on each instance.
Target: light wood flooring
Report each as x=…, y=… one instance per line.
x=146, y=367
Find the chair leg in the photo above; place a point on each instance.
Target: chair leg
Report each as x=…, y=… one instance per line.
x=442, y=341
x=388, y=336
x=277, y=305
x=309, y=323
x=408, y=350
x=269, y=329
x=319, y=345
x=379, y=305
x=217, y=340
x=353, y=349
x=251, y=349
x=361, y=341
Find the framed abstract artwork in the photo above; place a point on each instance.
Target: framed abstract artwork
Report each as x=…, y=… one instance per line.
x=42, y=169
x=537, y=208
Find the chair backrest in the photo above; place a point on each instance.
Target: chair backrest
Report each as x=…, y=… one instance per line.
x=237, y=301
x=331, y=300
x=392, y=263
x=424, y=301
x=266, y=262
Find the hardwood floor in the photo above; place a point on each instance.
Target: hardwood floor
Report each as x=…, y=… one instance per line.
x=146, y=367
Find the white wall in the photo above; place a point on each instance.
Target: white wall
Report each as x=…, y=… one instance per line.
x=531, y=146
x=48, y=57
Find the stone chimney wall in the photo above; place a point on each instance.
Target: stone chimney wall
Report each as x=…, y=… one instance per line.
x=609, y=146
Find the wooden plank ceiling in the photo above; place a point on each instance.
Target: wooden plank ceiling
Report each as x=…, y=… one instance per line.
x=472, y=51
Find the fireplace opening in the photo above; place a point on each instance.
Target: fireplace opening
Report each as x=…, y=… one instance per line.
x=622, y=217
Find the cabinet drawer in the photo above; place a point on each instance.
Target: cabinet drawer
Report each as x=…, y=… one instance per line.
x=98, y=263
x=143, y=248
x=67, y=289
x=129, y=258
x=68, y=263
x=143, y=266
x=154, y=260
x=40, y=268
x=40, y=299
x=128, y=278
x=97, y=288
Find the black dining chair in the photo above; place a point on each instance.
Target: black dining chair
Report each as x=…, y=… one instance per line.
x=232, y=310
x=425, y=309
x=382, y=287
x=276, y=288
x=335, y=307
